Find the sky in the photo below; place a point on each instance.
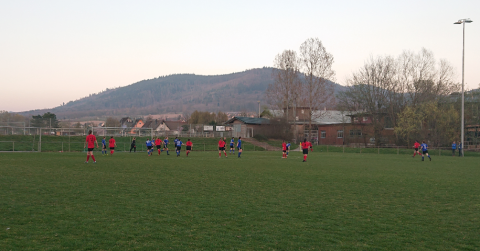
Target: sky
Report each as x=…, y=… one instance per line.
x=58, y=51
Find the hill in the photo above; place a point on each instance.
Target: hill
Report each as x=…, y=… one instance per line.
x=173, y=93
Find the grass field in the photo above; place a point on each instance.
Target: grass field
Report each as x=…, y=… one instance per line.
x=53, y=201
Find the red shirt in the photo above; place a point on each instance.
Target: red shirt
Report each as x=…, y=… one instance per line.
x=306, y=145
x=112, y=142
x=90, y=140
x=416, y=145
x=189, y=143
x=284, y=146
x=221, y=143
x=158, y=142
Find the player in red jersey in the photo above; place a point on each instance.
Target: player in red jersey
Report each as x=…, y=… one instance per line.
x=189, y=145
x=416, y=146
x=305, y=145
x=158, y=143
x=91, y=139
x=221, y=147
x=112, y=144
x=284, y=149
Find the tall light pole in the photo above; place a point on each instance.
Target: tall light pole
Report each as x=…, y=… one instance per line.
x=259, y=109
x=463, y=21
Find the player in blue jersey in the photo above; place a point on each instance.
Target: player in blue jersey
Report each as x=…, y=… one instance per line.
x=288, y=147
x=454, y=147
x=232, y=145
x=178, y=144
x=104, y=146
x=239, y=146
x=424, y=147
x=175, y=141
x=149, y=146
x=165, y=145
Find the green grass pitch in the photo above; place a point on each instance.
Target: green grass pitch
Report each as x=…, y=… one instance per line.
x=53, y=201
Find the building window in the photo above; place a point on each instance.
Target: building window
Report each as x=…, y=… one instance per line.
x=365, y=119
x=323, y=134
x=303, y=111
x=355, y=133
x=355, y=120
x=340, y=134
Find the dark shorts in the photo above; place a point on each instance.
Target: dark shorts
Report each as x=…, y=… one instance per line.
x=90, y=149
x=112, y=148
x=424, y=152
x=104, y=147
x=305, y=151
x=284, y=151
x=416, y=149
x=231, y=146
x=165, y=146
x=221, y=148
x=149, y=147
x=239, y=148
x=158, y=147
x=179, y=148
x=189, y=148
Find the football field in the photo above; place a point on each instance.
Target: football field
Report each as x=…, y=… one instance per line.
x=54, y=201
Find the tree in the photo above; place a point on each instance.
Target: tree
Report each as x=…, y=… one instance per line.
x=316, y=65
x=284, y=92
x=372, y=90
x=46, y=120
x=430, y=121
x=112, y=122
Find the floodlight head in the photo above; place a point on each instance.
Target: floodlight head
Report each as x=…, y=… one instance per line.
x=458, y=22
x=468, y=20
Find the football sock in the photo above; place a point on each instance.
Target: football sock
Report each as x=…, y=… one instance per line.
x=287, y=153
x=93, y=158
x=225, y=153
x=158, y=151
x=88, y=157
x=167, y=151
x=219, y=154
x=305, y=158
x=111, y=152
x=422, y=157
x=239, y=154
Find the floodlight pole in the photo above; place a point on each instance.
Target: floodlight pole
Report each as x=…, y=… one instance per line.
x=463, y=21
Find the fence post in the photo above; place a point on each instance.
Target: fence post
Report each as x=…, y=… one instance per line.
x=204, y=147
x=124, y=146
x=343, y=148
x=13, y=146
x=439, y=151
x=378, y=148
x=62, y=146
x=398, y=150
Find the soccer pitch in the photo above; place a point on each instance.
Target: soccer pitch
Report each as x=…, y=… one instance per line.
x=54, y=201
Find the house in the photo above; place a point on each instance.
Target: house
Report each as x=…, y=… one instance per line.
x=356, y=129
x=245, y=127
x=131, y=125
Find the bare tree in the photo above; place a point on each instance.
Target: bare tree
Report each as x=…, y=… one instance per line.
x=283, y=93
x=316, y=65
x=372, y=90
x=423, y=79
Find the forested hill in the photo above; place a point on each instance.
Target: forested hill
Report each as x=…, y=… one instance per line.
x=174, y=93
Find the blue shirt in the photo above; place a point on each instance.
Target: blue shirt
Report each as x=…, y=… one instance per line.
x=179, y=143
x=232, y=142
x=104, y=142
x=149, y=143
x=454, y=146
x=460, y=146
x=239, y=143
x=165, y=141
x=424, y=146
x=288, y=145
x=175, y=141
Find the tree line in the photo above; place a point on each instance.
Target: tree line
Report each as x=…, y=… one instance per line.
x=413, y=92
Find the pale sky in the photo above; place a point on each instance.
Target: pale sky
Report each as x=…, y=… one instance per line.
x=57, y=51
